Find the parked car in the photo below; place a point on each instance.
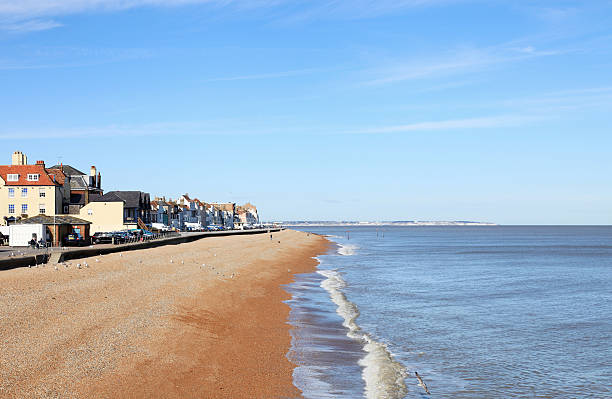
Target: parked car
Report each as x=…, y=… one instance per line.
x=74, y=239
x=102, y=238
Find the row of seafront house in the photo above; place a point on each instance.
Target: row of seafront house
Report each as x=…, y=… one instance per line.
x=65, y=200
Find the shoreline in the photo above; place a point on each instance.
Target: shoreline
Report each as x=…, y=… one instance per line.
x=155, y=322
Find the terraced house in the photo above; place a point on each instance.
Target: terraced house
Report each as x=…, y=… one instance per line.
x=30, y=190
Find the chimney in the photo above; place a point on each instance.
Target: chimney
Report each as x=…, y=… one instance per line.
x=99, y=181
x=92, y=177
x=19, y=158
x=40, y=163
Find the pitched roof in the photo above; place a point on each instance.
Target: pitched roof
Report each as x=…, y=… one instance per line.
x=68, y=170
x=132, y=199
x=23, y=170
x=60, y=177
x=78, y=182
x=59, y=219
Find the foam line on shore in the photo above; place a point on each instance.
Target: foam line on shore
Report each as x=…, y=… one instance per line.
x=383, y=375
x=347, y=249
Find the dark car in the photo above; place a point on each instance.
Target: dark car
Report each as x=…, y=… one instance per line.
x=102, y=238
x=74, y=239
x=120, y=237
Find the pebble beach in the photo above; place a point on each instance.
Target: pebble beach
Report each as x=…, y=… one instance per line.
x=202, y=319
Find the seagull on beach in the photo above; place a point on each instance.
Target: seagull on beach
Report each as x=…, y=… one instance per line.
x=56, y=268
x=422, y=383
x=171, y=261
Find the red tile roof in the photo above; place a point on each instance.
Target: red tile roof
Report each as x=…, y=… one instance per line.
x=23, y=170
x=60, y=177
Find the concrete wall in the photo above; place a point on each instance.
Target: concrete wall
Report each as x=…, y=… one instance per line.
x=104, y=216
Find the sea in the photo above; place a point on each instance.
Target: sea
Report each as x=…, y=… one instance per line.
x=477, y=312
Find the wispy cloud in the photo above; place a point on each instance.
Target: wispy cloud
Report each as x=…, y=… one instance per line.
x=33, y=25
x=464, y=60
x=71, y=57
x=15, y=11
x=453, y=124
x=37, y=15
x=271, y=75
x=246, y=129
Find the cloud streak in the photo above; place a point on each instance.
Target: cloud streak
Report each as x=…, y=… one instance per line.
x=271, y=75
x=216, y=128
x=456, y=62
x=27, y=12
x=33, y=25
x=453, y=124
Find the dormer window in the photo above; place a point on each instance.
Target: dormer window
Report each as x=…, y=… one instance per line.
x=33, y=176
x=12, y=177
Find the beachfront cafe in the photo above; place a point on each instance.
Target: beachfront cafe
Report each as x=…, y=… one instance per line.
x=60, y=226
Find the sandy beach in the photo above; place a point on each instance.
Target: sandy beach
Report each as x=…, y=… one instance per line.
x=199, y=320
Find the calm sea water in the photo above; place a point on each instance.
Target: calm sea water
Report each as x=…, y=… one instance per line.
x=478, y=312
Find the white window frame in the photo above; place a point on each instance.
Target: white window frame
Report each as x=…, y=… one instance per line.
x=24, y=192
x=11, y=207
x=33, y=176
x=11, y=192
x=12, y=177
x=24, y=208
x=41, y=192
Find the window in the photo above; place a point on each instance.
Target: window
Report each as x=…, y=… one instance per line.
x=12, y=177
x=11, y=193
x=11, y=208
x=90, y=211
x=33, y=176
x=42, y=209
x=24, y=192
x=66, y=208
x=41, y=193
x=24, y=208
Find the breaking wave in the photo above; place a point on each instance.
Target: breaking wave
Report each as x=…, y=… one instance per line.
x=347, y=249
x=384, y=377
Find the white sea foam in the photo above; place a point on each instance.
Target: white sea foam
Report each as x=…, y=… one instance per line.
x=384, y=376
x=347, y=249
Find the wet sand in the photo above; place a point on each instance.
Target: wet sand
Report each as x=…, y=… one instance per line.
x=197, y=320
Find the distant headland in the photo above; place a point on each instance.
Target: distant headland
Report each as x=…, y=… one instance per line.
x=385, y=223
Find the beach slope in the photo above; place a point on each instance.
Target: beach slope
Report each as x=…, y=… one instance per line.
x=199, y=320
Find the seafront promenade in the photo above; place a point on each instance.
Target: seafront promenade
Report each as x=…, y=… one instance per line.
x=11, y=258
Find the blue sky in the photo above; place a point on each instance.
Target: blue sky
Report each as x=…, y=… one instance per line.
x=324, y=109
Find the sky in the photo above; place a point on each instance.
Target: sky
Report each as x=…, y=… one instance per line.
x=489, y=111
